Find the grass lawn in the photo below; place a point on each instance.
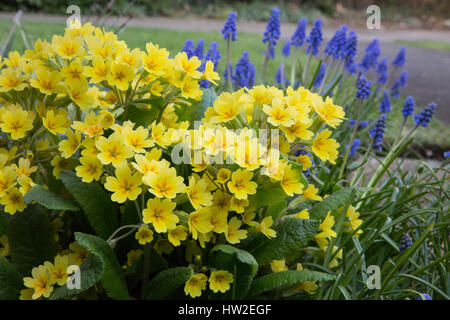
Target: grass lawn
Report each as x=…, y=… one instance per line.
x=435, y=135
x=426, y=44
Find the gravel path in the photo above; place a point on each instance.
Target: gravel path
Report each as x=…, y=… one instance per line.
x=429, y=70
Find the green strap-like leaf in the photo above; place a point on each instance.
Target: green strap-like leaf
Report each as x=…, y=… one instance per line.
x=95, y=202
x=284, y=279
x=331, y=203
x=292, y=235
x=30, y=239
x=238, y=262
x=112, y=279
x=91, y=271
x=49, y=199
x=167, y=281
x=10, y=281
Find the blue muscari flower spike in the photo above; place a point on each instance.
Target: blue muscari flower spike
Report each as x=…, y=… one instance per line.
x=337, y=43
x=402, y=81
x=272, y=33
x=446, y=154
x=320, y=75
x=189, y=48
x=299, y=36
x=213, y=54
x=400, y=60
x=405, y=242
x=377, y=132
x=303, y=152
x=229, y=29
x=244, y=72
x=408, y=107
x=315, y=38
x=351, y=67
x=370, y=59
x=198, y=51
x=354, y=149
x=363, y=86
x=349, y=51
x=280, y=75
x=424, y=117
x=382, y=71
x=385, y=105
x=362, y=124
x=426, y=296
x=286, y=50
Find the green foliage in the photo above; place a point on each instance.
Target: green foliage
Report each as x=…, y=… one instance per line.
x=30, y=239
x=95, y=202
x=112, y=278
x=331, y=203
x=10, y=281
x=167, y=281
x=49, y=199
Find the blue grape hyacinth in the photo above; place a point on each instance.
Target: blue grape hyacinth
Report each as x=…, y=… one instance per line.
x=244, y=73
x=286, y=50
x=213, y=54
x=189, y=48
x=385, y=105
x=362, y=124
x=229, y=29
x=364, y=87
x=299, y=36
x=425, y=116
x=370, y=58
x=320, y=75
x=377, y=132
x=272, y=33
x=400, y=60
x=405, y=242
x=408, y=107
x=315, y=38
x=402, y=81
x=349, y=51
x=337, y=43
x=198, y=51
x=354, y=149
x=382, y=71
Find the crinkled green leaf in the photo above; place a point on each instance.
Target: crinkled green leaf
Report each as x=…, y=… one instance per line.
x=268, y=196
x=238, y=262
x=30, y=237
x=112, y=279
x=49, y=199
x=331, y=203
x=167, y=281
x=292, y=235
x=10, y=281
x=284, y=279
x=95, y=202
x=91, y=271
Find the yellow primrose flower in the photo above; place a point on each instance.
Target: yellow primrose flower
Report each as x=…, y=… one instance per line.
x=160, y=214
x=59, y=163
x=226, y=108
x=353, y=222
x=219, y=220
x=156, y=61
x=133, y=256
x=4, y=248
x=47, y=82
x=234, y=234
x=238, y=205
x=279, y=114
x=159, y=134
x=198, y=193
x=164, y=184
x=99, y=70
x=11, y=79
x=13, y=201
x=331, y=114
x=125, y=185
x=290, y=181
x=90, y=169
x=221, y=201
x=73, y=73
x=297, y=130
x=240, y=184
x=305, y=161
x=144, y=235
x=24, y=167
x=13, y=60
x=200, y=221
x=120, y=75
x=220, y=281
x=223, y=175
x=40, y=282
x=264, y=227
x=324, y=148
x=278, y=265
x=156, y=89
x=90, y=150
x=78, y=255
x=67, y=47
x=304, y=214
x=56, y=121
x=326, y=231
x=79, y=94
x=70, y=146
x=190, y=88
x=163, y=246
x=311, y=193
x=176, y=235
x=145, y=164
x=113, y=150
x=190, y=66
x=209, y=73
x=137, y=139
x=58, y=271
x=17, y=122
x=195, y=285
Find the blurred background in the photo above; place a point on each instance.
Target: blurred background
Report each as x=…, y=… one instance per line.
x=422, y=26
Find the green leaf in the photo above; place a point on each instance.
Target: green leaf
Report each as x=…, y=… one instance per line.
x=331, y=203
x=91, y=271
x=10, y=281
x=95, y=202
x=112, y=279
x=144, y=116
x=292, y=235
x=268, y=196
x=167, y=281
x=275, y=209
x=284, y=279
x=197, y=110
x=49, y=199
x=238, y=262
x=30, y=239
